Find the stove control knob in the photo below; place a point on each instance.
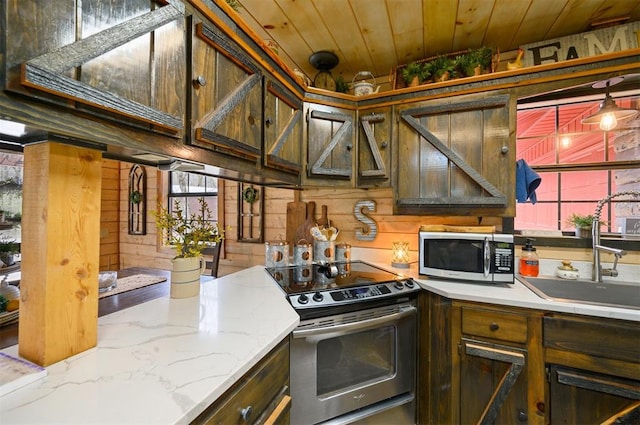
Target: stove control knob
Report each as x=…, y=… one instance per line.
x=409, y=284
x=317, y=297
x=303, y=299
x=399, y=284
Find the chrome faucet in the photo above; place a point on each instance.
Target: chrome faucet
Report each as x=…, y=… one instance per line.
x=597, y=270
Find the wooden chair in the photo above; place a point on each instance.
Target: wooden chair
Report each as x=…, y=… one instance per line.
x=212, y=257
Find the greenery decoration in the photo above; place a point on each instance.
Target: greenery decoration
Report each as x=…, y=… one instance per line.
x=188, y=235
x=341, y=85
x=135, y=197
x=582, y=221
x=250, y=194
x=411, y=71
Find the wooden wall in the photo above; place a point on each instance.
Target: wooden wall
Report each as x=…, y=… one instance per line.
x=109, y=216
x=144, y=250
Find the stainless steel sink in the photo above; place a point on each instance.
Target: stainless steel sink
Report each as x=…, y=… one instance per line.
x=623, y=295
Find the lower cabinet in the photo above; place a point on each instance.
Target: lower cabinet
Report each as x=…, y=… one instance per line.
x=594, y=376
x=261, y=396
x=491, y=364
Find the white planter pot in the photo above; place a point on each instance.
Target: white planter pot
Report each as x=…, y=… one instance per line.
x=185, y=277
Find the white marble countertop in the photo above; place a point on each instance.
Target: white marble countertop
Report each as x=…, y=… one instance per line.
x=161, y=362
x=164, y=361
x=515, y=295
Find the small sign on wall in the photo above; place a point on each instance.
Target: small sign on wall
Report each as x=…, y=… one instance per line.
x=592, y=43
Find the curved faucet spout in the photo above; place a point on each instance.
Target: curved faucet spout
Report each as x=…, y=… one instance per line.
x=597, y=269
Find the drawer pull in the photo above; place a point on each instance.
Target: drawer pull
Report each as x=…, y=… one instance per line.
x=246, y=413
x=494, y=327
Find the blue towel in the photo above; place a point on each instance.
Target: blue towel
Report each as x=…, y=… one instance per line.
x=527, y=181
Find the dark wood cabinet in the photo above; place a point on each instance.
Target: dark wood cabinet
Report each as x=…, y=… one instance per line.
x=375, y=147
x=261, y=396
x=125, y=65
x=283, y=127
x=491, y=364
x=227, y=106
x=594, y=376
x=330, y=145
x=456, y=155
x=498, y=382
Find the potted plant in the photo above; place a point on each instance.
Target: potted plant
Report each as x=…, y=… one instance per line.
x=583, y=224
x=411, y=74
x=442, y=67
x=8, y=249
x=189, y=235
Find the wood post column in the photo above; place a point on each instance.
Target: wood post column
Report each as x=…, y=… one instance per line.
x=60, y=251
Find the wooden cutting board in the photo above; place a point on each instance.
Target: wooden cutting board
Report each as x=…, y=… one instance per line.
x=296, y=216
x=323, y=221
x=304, y=230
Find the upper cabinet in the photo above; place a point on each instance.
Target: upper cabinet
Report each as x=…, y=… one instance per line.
x=283, y=126
x=456, y=156
x=330, y=145
x=125, y=64
x=374, y=147
x=227, y=102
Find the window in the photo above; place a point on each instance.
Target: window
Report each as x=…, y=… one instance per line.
x=187, y=188
x=579, y=164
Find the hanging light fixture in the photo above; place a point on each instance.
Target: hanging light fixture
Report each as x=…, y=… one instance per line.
x=609, y=113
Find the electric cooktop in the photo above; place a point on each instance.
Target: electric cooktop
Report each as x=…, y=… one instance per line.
x=331, y=284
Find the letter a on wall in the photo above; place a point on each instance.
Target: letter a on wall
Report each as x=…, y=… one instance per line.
x=370, y=233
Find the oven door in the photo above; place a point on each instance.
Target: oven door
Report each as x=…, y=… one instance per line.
x=347, y=362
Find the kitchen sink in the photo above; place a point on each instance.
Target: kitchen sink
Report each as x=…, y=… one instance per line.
x=618, y=294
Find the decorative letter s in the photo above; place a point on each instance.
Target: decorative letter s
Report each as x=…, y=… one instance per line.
x=370, y=233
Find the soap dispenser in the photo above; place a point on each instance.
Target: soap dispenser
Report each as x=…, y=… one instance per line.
x=529, y=262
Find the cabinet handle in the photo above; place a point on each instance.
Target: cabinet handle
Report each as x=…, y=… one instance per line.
x=200, y=81
x=522, y=416
x=246, y=413
x=384, y=144
x=349, y=147
x=268, y=121
x=494, y=327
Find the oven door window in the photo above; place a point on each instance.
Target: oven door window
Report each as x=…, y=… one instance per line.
x=355, y=359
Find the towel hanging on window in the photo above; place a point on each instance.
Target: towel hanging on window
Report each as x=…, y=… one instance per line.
x=527, y=181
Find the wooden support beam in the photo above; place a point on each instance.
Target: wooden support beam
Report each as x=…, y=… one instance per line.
x=60, y=252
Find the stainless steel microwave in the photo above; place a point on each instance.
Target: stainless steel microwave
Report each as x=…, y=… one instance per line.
x=479, y=257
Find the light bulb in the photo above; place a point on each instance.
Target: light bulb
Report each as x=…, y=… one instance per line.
x=608, y=121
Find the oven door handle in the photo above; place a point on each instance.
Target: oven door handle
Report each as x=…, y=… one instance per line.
x=354, y=326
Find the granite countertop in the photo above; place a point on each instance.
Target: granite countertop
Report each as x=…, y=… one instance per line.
x=164, y=361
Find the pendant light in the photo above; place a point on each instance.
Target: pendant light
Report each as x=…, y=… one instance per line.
x=609, y=113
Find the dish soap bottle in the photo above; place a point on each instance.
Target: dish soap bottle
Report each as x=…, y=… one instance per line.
x=529, y=262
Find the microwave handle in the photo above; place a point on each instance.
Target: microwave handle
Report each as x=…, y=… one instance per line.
x=350, y=327
x=487, y=257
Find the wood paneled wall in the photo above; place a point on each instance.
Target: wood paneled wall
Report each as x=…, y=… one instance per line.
x=144, y=250
x=109, y=215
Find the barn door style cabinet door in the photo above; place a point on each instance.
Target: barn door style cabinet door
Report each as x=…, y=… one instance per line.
x=283, y=126
x=330, y=146
x=126, y=69
x=456, y=154
x=226, y=92
x=498, y=376
x=374, y=148
x=594, y=371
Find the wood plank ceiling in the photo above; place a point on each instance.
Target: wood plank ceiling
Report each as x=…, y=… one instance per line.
x=378, y=35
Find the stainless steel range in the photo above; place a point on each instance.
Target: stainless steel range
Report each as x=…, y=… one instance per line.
x=353, y=356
